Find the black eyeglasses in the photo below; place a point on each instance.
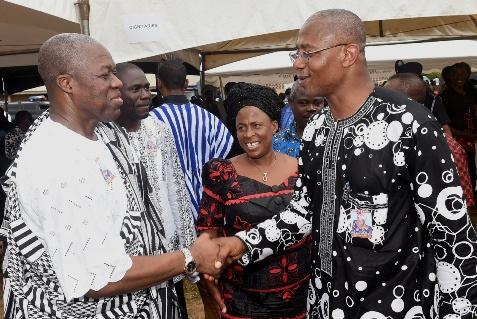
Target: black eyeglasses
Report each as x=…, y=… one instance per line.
x=304, y=56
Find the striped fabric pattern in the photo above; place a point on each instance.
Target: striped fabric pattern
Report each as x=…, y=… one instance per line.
x=31, y=286
x=199, y=137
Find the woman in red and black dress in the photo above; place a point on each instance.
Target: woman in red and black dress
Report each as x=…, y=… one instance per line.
x=244, y=191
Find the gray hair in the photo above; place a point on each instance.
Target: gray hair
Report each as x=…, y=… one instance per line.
x=61, y=54
x=293, y=90
x=343, y=24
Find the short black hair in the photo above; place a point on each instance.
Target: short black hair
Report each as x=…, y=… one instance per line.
x=122, y=68
x=172, y=74
x=446, y=75
x=409, y=84
x=21, y=116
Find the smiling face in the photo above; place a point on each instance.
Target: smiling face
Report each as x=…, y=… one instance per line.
x=305, y=105
x=323, y=70
x=136, y=96
x=95, y=87
x=458, y=76
x=255, y=131
x=339, y=38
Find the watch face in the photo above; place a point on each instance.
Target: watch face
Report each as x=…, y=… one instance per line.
x=191, y=266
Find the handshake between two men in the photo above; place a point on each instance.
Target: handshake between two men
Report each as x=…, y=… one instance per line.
x=213, y=255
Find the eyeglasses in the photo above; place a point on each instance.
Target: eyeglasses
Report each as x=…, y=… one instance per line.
x=304, y=57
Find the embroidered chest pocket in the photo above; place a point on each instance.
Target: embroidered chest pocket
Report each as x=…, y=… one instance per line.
x=363, y=217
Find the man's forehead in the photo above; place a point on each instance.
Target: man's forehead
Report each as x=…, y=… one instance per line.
x=134, y=77
x=308, y=97
x=94, y=47
x=313, y=37
x=97, y=52
x=136, y=82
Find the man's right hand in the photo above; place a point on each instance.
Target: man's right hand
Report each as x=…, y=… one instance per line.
x=231, y=249
x=204, y=250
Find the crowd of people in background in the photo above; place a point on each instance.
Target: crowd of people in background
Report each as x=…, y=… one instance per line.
x=454, y=104
x=337, y=198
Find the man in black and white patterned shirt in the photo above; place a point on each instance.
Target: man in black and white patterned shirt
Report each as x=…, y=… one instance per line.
x=371, y=157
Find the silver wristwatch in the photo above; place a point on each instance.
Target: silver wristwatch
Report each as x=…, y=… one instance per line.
x=190, y=266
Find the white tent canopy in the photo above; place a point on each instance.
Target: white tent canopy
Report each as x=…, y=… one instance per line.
x=275, y=69
x=222, y=31
x=27, y=24
x=226, y=31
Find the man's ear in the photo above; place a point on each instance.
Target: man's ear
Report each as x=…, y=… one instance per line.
x=160, y=87
x=186, y=84
x=351, y=54
x=63, y=81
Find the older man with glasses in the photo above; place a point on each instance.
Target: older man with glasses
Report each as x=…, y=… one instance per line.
x=373, y=155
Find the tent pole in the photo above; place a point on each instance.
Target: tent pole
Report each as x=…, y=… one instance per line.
x=84, y=15
x=5, y=95
x=202, y=74
x=222, y=91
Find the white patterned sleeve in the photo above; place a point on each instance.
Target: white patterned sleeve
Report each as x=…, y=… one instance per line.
x=177, y=192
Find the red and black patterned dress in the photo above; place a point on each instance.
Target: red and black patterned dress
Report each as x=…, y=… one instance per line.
x=275, y=287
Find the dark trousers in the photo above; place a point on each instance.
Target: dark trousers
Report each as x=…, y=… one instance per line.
x=181, y=299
